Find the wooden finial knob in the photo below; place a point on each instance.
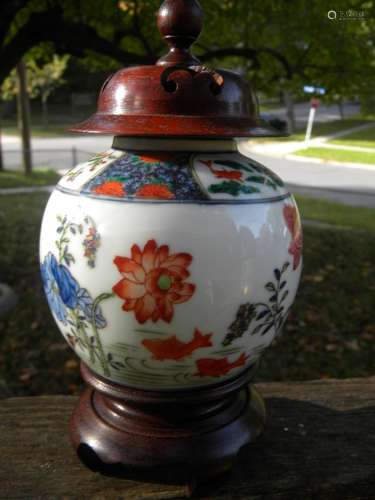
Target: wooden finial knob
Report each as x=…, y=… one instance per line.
x=180, y=23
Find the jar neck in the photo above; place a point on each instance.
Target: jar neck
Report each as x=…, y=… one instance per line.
x=172, y=144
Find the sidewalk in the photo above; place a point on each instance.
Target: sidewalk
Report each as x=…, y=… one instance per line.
x=286, y=148
x=26, y=190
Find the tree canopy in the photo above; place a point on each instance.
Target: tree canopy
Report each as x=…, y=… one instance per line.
x=277, y=43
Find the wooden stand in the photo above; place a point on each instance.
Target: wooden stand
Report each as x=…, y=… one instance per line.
x=188, y=433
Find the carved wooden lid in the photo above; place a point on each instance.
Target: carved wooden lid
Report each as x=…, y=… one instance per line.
x=177, y=97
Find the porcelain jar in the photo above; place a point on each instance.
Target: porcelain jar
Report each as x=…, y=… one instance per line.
x=170, y=263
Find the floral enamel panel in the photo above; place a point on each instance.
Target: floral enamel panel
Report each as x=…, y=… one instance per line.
x=76, y=177
x=232, y=176
x=158, y=176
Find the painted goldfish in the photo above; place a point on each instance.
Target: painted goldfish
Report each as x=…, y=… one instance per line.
x=222, y=174
x=215, y=367
x=172, y=348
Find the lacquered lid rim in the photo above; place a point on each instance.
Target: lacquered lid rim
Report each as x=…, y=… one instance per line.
x=175, y=126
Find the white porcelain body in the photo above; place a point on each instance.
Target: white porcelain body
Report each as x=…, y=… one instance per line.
x=241, y=255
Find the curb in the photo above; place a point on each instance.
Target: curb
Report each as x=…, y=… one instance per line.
x=26, y=190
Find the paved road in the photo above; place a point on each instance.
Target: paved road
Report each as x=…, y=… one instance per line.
x=352, y=186
x=57, y=153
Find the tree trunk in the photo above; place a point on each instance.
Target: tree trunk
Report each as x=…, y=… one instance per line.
x=1, y=147
x=45, y=111
x=288, y=101
x=1, y=154
x=341, y=109
x=24, y=113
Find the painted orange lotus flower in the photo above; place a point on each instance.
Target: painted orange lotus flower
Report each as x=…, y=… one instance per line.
x=293, y=222
x=153, y=281
x=172, y=348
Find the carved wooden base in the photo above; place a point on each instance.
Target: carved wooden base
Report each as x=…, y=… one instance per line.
x=173, y=435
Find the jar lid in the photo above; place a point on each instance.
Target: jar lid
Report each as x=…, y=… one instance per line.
x=177, y=97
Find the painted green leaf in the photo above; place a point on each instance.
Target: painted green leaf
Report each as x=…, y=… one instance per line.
x=257, y=329
x=249, y=189
x=271, y=184
x=229, y=187
x=284, y=295
x=276, y=179
x=256, y=178
x=267, y=328
x=262, y=314
x=285, y=267
x=257, y=168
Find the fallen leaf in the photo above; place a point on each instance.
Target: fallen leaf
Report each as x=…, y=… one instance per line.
x=71, y=364
x=352, y=345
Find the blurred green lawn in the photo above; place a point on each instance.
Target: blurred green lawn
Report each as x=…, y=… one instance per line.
x=342, y=155
x=330, y=331
x=363, y=138
x=39, y=177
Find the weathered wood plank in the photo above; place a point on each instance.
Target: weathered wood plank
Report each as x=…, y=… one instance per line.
x=320, y=443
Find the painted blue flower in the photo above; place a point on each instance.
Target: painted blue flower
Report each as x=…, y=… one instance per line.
x=60, y=287
x=63, y=291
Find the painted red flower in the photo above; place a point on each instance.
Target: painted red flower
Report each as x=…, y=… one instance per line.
x=154, y=191
x=293, y=223
x=153, y=281
x=110, y=188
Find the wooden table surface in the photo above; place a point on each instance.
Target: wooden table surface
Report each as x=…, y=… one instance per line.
x=319, y=444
